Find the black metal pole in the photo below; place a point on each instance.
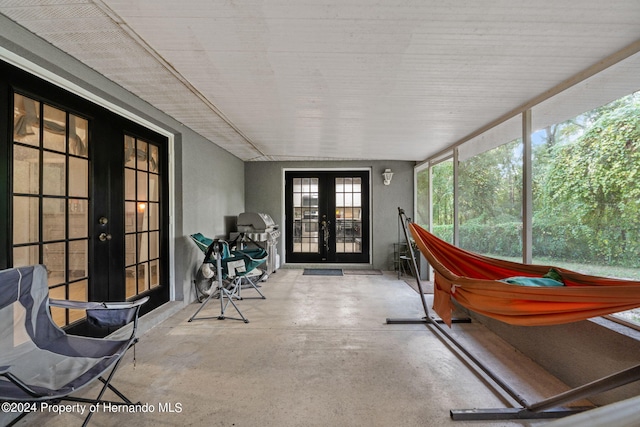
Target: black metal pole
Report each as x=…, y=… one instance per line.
x=494, y=377
x=515, y=395
x=543, y=409
x=618, y=379
x=413, y=265
x=402, y=218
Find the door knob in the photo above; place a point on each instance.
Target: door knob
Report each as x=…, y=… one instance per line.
x=103, y=220
x=104, y=237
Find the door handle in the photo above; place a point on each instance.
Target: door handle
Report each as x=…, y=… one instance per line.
x=325, y=232
x=103, y=237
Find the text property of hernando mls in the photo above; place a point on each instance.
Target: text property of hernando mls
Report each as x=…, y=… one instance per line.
x=83, y=408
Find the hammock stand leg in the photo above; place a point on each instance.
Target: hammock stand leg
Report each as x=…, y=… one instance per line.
x=402, y=217
x=547, y=408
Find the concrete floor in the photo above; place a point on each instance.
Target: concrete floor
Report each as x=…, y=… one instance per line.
x=317, y=352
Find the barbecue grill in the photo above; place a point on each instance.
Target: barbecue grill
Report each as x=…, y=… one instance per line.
x=262, y=229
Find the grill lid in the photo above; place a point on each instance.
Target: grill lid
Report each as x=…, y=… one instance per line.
x=255, y=221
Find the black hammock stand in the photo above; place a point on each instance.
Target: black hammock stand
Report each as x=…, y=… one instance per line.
x=547, y=408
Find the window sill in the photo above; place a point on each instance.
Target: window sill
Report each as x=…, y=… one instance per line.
x=618, y=325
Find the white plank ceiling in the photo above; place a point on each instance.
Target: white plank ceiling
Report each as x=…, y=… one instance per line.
x=334, y=79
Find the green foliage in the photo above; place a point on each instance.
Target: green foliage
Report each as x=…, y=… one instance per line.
x=445, y=232
x=554, y=240
x=586, y=192
x=595, y=182
x=500, y=239
x=491, y=185
x=551, y=240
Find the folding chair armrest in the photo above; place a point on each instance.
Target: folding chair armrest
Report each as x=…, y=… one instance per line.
x=124, y=304
x=78, y=305
x=106, y=314
x=83, y=305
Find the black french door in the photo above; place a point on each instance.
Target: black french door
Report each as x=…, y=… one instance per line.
x=85, y=195
x=327, y=216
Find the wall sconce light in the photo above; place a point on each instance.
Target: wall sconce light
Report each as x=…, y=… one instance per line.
x=387, y=175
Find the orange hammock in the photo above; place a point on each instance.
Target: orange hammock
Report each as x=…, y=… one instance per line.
x=475, y=282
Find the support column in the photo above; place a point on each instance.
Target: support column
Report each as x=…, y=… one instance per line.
x=527, y=190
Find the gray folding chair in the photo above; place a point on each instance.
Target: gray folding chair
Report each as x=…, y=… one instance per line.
x=40, y=362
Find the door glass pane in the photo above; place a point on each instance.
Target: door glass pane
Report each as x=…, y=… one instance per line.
x=53, y=223
x=143, y=277
x=153, y=187
x=142, y=155
x=54, y=257
x=26, y=219
x=348, y=208
x=78, y=218
x=154, y=245
x=143, y=183
x=129, y=152
x=154, y=273
x=78, y=171
x=78, y=259
x=54, y=176
x=26, y=120
x=153, y=159
x=305, y=214
x=129, y=217
x=131, y=288
x=55, y=129
x=78, y=132
x=51, y=198
x=58, y=314
x=129, y=184
x=143, y=246
x=26, y=170
x=78, y=291
x=154, y=220
x=142, y=217
x=26, y=255
x=130, y=249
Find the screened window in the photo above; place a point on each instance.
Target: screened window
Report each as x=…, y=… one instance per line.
x=442, y=196
x=586, y=193
x=422, y=198
x=490, y=202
